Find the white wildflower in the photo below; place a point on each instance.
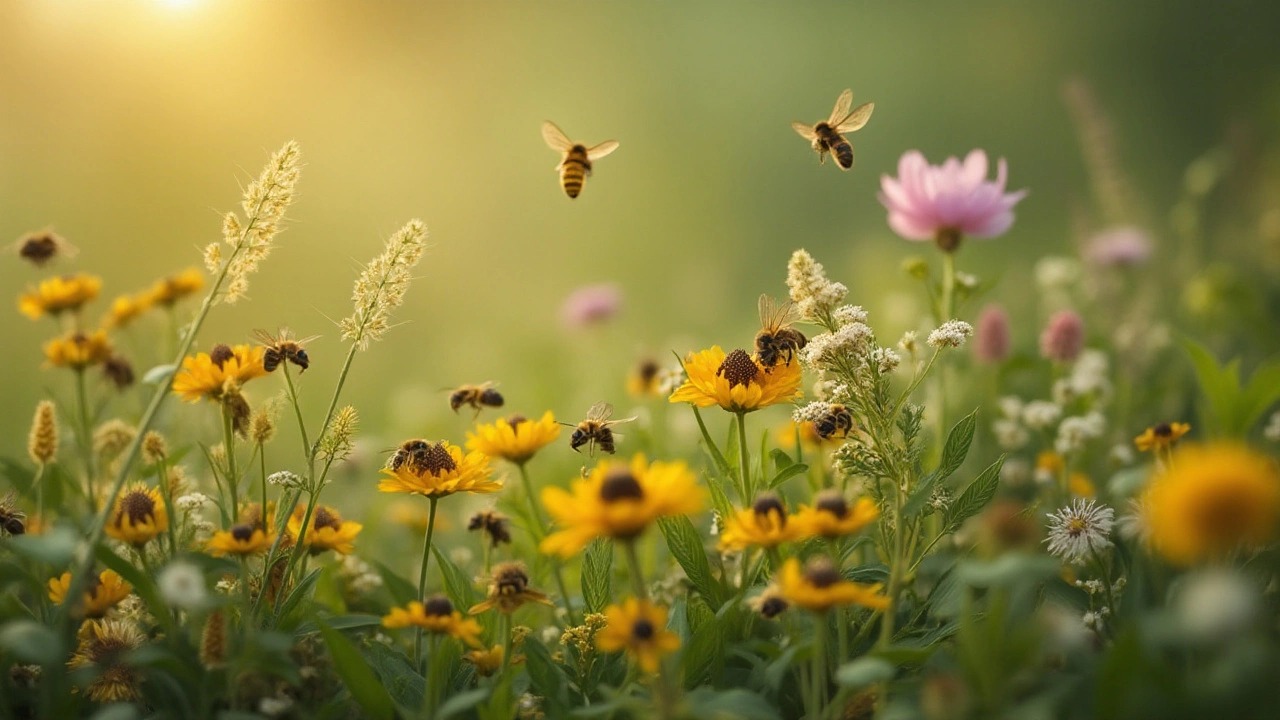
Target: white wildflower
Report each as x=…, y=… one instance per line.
x=1121, y=454
x=275, y=706
x=1010, y=434
x=1015, y=472
x=1079, y=530
x=908, y=344
x=285, y=479
x=1216, y=603
x=813, y=412
x=966, y=281
x=192, y=501
x=846, y=314
x=1075, y=432
x=182, y=585
x=951, y=333
x=1133, y=524
x=885, y=359
x=809, y=287
x=1011, y=406
x=1057, y=273
x=1091, y=375
x=1041, y=414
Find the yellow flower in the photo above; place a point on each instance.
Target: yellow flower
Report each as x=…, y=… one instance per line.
x=240, y=540
x=139, y=516
x=328, y=530
x=509, y=589
x=645, y=379
x=1159, y=437
x=1050, y=463
x=488, y=662
x=78, y=350
x=170, y=290
x=207, y=374
x=820, y=587
x=764, y=524
x=831, y=516
x=640, y=628
x=125, y=309
x=785, y=436
x=1212, y=500
x=57, y=294
x=1080, y=485
x=104, y=644
x=619, y=500
x=515, y=438
x=440, y=469
x=102, y=593
x=438, y=616
x=736, y=382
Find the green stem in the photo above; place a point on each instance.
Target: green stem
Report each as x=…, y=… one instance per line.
x=895, y=569
x=297, y=411
x=842, y=615
x=333, y=402
x=633, y=567
x=744, y=467
x=820, y=665
x=541, y=527
x=262, y=460
x=167, y=495
x=39, y=488
x=948, y=286
x=229, y=448
x=86, y=439
x=246, y=622
x=422, y=578
x=505, y=624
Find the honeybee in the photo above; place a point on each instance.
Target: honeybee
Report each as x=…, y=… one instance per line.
x=412, y=452
x=828, y=136
x=575, y=163
x=837, y=421
x=596, y=429
x=777, y=339
x=40, y=247
x=477, y=396
x=12, y=521
x=281, y=347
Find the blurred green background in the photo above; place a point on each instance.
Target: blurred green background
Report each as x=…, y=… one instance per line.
x=130, y=125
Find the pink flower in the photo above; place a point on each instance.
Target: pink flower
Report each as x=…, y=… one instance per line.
x=945, y=202
x=1063, y=337
x=1119, y=246
x=991, y=336
x=591, y=304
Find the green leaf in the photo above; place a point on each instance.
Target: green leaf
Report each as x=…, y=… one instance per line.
x=547, y=678
x=340, y=622
x=56, y=547
x=1221, y=386
x=396, y=672
x=787, y=473
x=954, y=453
x=734, y=704
x=864, y=671
x=975, y=497
x=705, y=653
x=298, y=594
x=360, y=680
x=686, y=547
x=456, y=583
x=116, y=711
x=597, y=573
x=780, y=459
x=30, y=642
x=1262, y=391
x=402, y=591
x=462, y=702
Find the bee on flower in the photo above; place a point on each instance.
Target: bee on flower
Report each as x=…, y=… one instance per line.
x=737, y=382
x=436, y=470
x=509, y=589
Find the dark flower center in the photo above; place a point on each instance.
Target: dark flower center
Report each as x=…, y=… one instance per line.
x=738, y=368
x=242, y=533
x=325, y=517
x=948, y=239
x=773, y=607
x=648, y=371
x=833, y=502
x=642, y=629
x=821, y=572
x=769, y=504
x=118, y=371
x=516, y=419
x=620, y=484
x=438, y=605
x=1163, y=430
x=436, y=459
x=220, y=354
x=137, y=506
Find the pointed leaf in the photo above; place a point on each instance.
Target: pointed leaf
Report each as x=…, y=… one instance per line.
x=686, y=547
x=597, y=572
x=360, y=680
x=975, y=497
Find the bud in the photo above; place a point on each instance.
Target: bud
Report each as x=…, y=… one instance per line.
x=42, y=443
x=154, y=448
x=1063, y=337
x=262, y=427
x=916, y=267
x=991, y=341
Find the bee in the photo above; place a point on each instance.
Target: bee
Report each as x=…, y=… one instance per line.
x=41, y=247
x=596, y=429
x=837, y=422
x=777, y=339
x=12, y=521
x=827, y=137
x=413, y=452
x=575, y=163
x=477, y=396
x=281, y=347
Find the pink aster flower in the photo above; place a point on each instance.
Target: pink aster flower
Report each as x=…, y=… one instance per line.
x=946, y=202
x=591, y=304
x=991, y=336
x=1119, y=246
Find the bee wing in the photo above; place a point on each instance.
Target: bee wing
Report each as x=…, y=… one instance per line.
x=804, y=131
x=842, y=107
x=600, y=412
x=856, y=119
x=602, y=149
x=307, y=339
x=766, y=307
x=619, y=422
x=264, y=337
x=555, y=137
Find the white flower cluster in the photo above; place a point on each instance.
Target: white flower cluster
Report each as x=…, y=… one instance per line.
x=1090, y=377
x=1076, y=431
x=1010, y=434
x=809, y=287
x=192, y=502
x=813, y=412
x=885, y=359
x=1093, y=620
x=285, y=479
x=848, y=314
x=1041, y=414
x=358, y=575
x=670, y=379
x=908, y=343
x=182, y=585
x=952, y=333
x=852, y=339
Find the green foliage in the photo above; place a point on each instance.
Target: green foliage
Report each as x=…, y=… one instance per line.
x=356, y=675
x=1232, y=407
x=686, y=546
x=597, y=575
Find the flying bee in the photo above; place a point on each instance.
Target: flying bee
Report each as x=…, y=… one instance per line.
x=477, y=396
x=12, y=521
x=43, y=246
x=576, y=159
x=837, y=422
x=827, y=137
x=281, y=347
x=777, y=339
x=412, y=452
x=596, y=429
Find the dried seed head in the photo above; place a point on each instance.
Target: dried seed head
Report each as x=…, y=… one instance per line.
x=738, y=368
x=213, y=641
x=340, y=440
x=154, y=447
x=42, y=442
x=137, y=505
x=112, y=437
x=262, y=426
x=620, y=484
x=494, y=524
x=264, y=204
x=382, y=285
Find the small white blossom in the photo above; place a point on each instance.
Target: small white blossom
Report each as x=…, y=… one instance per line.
x=951, y=333
x=1075, y=432
x=1216, y=603
x=1121, y=454
x=275, y=706
x=1091, y=375
x=1133, y=524
x=193, y=501
x=1011, y=406
x=1057, y=273
x=908, y=343
x=1041, y=414
x=182, y=585
x=1015, y=472
x=1080, y=530
x=846, y=314
x=885, y=359
x=966, y=281
x=813, y=412
x=285, y=479
x=1010, y=435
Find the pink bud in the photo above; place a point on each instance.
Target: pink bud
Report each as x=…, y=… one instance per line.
x=991, y=336
x=1063, y=337
x=591, y=304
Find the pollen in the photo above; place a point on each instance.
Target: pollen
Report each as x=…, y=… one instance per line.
x=438, y=605
x=137, y=506
x=435, y=459
x=738, y=368
x=821, y=572
x=220, y=354
x=832, y=501
x=620, y=484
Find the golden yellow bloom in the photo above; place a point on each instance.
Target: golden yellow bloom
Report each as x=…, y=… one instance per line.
x=509, y=589
x=831, y=516
x=440, y=469
x=53, y=296
x=514, y=438
x=170, y=290
x=619, y=500
x=820, y=587
x=104, y=644
x=644, y=379
x=736, y=382
x=139, y=516
x=328, y=531
x=1158, y=437
x=488, y=662
x=1050, y=462
x=640, y=628
x=207, y=374
x=764, y=524
x=100, y=595
x=1212, y=500
x=438, y=616
x=240, y=540
x=125, y=309
x=1081, y=486
x=78, y=350
x=784, y=437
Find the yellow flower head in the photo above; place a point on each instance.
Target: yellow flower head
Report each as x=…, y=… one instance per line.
x=102, y=593
x=810, y=441
x=764, y=524
x=104, y=644
x=1050, y=462
x=1081, y=486
x=240, y=540
x=645, y=379
x=53, y=296
x=831, y=516
x=1212, y=500
x=328, y=531
x=439, y=469
x=78, y=350
x=207, y=375
x=1159, y=437
x=640, y=628
x=125, y=309
x=619, y=500
x=488, y=662
x=736, y=382
x=435, y=615
x=514, y=438
x=139, y=516
x=509, y=589
x=170, y=290
x=819, y=586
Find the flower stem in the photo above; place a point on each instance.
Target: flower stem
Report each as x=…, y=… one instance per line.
x=166, y=494
x=422, y=578
x=819, y=664
x=262, y=459
x=86, y=439
x=233, y=479
x=633, y=568
x=744, y=467
x=505, y=623
x=946, y=306
x=297, y=411
x=541, y=527
x=39, y=488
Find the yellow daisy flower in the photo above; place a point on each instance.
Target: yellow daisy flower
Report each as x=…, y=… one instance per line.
x=328, y=531
x=644, y=379
x=509, y=589
x=764, y=525
x=820, y=587
x=514, y=438
x=619, y=500
x=102, y=593
x=488, y=662
x=640, y=628
x=78, y=350
x=736, y=382
x=435, y=615
x=207, y=374
x=1159, y=437
x=170, y=290
x=831, y=517
x=240, y=540
x=125, y=309
x=57, y=294
x=440, y=469
x=104, y=644
x=1211, y=500
x=139, y=516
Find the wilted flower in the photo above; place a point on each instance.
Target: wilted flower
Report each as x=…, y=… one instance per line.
x=591, y=304
x=105, y=644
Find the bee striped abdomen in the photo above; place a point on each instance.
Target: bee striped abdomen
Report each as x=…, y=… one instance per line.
x=843, y=152
x=574, y=170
